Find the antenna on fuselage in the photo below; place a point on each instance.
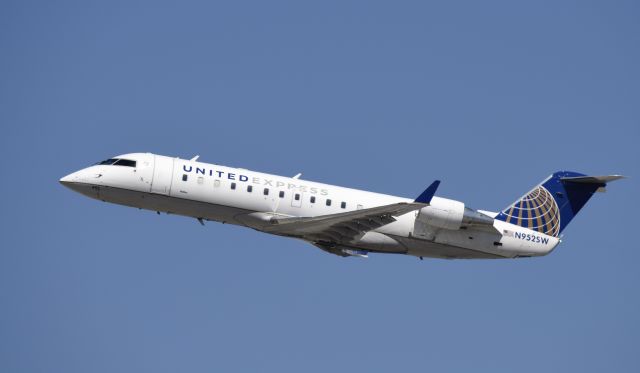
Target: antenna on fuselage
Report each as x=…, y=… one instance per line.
x=297, y=175
x=194, y=158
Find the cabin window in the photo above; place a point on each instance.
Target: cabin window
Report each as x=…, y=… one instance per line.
x=328, y=202
x=297, y=197
x=200, y=180
x=184, y=177
x=265, y=191
x=249, y=188
x=312, y=199
x=216, y=183
x=281, y=194
x=125, y=162
x=233, y=186
x=343, y=205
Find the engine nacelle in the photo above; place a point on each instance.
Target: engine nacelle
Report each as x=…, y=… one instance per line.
x=449, y=214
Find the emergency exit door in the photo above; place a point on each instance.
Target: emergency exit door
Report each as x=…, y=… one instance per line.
x=296, y=199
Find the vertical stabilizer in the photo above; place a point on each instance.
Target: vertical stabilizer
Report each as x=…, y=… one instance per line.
x=550, y=206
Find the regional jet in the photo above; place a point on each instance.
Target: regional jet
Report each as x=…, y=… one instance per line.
x=341, y=221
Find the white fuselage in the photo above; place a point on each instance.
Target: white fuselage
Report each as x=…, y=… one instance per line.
x=248, y=198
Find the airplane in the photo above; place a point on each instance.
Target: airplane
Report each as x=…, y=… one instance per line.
x=342, y=221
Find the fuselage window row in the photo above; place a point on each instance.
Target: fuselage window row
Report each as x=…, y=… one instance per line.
x=265, y=191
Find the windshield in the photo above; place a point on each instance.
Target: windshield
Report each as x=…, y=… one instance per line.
x=107, y=162
x=125, y=162
x=118, y=162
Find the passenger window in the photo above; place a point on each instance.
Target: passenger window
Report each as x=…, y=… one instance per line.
x=297, y=197
x=184, y=177
x=328, y=202
x=281, y=194
x=233, y=186
x=313, y=199
x=249, y=188
x=266, y=191
x=343, y=205
x=200, y=180
x=216, y=183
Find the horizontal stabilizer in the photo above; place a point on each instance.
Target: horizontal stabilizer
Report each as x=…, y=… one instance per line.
x=592, y=179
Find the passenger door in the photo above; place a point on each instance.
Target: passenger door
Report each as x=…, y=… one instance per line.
x=162, y=175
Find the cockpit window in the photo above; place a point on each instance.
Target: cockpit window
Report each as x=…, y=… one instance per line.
x=125, y=162
x=118, y=162
x=107, y=162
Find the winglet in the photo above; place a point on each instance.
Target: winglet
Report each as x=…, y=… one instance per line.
x=428, y=193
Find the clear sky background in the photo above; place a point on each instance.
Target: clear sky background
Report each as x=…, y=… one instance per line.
x=490, y=97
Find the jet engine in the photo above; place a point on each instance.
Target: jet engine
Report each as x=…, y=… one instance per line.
x=449, y=214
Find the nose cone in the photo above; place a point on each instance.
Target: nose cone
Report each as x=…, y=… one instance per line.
x=67, y=180
x=79, y=183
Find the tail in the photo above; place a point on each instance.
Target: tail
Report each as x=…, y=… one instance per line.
x=551, y=205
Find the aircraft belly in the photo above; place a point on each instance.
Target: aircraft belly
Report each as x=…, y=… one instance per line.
x=172, y=205
x=378, y=242
x=390, y=244
x=417, y=247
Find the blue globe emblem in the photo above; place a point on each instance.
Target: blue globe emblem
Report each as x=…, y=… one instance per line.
x=537, y=211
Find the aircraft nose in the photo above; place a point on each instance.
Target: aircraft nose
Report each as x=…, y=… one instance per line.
x=78, y=182
x=67, y=180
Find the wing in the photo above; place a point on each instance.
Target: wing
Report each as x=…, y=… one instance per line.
x=341, y=227
x=347, y=226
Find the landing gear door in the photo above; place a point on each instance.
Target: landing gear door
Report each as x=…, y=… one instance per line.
x=162, y=175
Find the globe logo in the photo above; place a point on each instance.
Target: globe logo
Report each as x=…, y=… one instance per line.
x=537, y=211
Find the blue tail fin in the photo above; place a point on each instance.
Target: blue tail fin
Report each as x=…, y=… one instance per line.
x=550, y=206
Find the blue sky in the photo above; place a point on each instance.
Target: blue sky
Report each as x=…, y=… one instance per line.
x=490, y=97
